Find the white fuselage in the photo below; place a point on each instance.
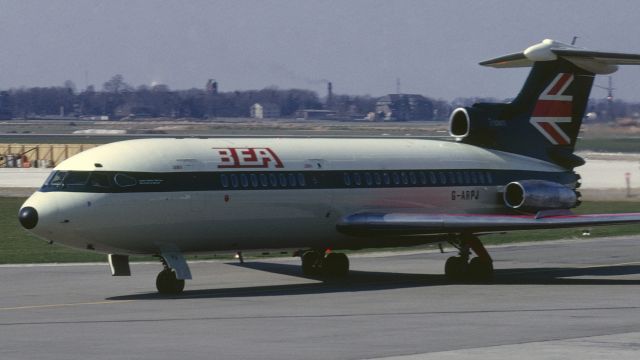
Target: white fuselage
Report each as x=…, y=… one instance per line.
x=206, y=195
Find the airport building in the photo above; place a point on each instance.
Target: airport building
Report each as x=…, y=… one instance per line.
x=404, y=107
x=264, y=111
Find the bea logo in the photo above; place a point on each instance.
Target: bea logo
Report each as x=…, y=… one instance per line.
x=248, y=158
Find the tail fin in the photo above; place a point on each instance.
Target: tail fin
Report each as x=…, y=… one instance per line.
x=544, y=120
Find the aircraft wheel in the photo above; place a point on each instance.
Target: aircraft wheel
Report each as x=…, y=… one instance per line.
x=480, y=269
x=311, y=263
x=167, y=283
x=455, y=268
x=336, y=264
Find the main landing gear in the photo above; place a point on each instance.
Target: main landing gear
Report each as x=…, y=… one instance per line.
x=316, y=263
x=459, y=268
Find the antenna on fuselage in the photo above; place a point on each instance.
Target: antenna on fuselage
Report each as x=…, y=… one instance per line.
x=573, y=42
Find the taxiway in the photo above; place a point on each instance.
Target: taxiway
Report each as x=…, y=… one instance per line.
x=573, y=299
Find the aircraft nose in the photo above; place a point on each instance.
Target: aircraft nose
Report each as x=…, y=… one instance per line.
x=28, y=217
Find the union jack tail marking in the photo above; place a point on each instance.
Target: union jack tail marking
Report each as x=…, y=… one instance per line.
x=553, y=108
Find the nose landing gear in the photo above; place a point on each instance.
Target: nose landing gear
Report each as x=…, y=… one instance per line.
x=170, y=280
x=168, y=284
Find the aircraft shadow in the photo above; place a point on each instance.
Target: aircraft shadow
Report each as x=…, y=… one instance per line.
x=372, y=281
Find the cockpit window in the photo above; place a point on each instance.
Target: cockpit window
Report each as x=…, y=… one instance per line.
x=56, y=178
x=99, y=180
x=124, y=180
x=76, y=178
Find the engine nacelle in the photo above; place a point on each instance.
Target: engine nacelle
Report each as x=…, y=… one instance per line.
x=534, y=195
x=470, y=124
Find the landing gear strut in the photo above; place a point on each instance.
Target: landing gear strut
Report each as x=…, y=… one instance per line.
x=315, y=263
x=459, y=268
x=167, y=282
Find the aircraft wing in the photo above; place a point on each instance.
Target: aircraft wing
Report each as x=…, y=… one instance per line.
x=389, y=224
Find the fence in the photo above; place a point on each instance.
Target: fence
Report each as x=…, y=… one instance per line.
x=38, y=155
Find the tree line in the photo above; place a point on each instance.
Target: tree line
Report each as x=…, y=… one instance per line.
x=118, y=99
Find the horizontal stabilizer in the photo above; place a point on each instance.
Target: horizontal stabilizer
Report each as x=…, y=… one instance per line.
x=389, y=224
x=597, y=62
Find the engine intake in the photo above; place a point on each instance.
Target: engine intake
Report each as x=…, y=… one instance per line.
x=459, y=123
x=471, y=125
x=537, y=195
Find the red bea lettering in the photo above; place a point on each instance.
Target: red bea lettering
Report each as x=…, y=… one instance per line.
x=244, y=158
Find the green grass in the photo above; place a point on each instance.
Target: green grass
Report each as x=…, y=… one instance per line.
x=623, y=145
x=587, y=207
x=19, y=246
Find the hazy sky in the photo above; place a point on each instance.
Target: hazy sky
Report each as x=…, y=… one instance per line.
x=433, y=47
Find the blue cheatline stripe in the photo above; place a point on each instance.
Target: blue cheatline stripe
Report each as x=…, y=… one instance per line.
x=128, y=182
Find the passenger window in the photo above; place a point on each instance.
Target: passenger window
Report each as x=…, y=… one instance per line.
x=386, y=178
x=273, y=180
x=377, y=178
x=124, y=180
x=442, y=177
x=244, y=180
x=224, y=180
x=356, y=179
x=234, y=180
x=474, y=178
x=432, y=178
x=412, y=178
x=263, y=180
x=396, y=178
x=405, y=178
x=489, y=177
x=481, y=177
x=254, y=180
x=283, y=179
x=368, y=179
x=292, y=180
x=301, y=180
x=459, y=177
x=347, y=179
x=423, y=178
x=467, y=180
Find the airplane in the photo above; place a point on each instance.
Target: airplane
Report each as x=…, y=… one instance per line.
x=511, y=167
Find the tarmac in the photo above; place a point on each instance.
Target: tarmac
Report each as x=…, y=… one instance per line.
x=571, y=299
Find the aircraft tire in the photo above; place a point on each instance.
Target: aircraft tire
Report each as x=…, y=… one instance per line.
x=311, y=263
x=480, y=270
x=336, y=265
x=168, y=284
x=455, y=269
